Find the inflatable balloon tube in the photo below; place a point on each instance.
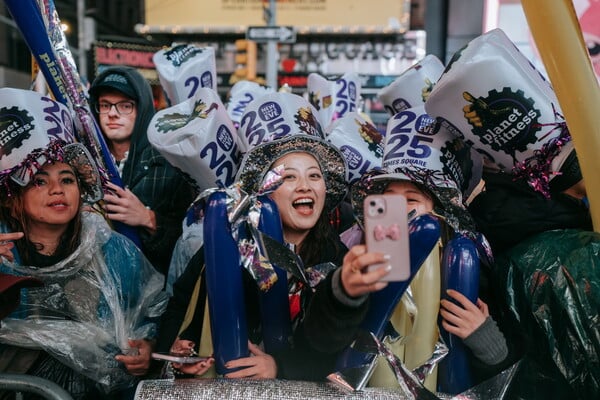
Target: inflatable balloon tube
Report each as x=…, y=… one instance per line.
x=224, y=285
x=560, y=43
x=424, y=334
x=274, y=303
x=402, y=321
x=424, y=232
x=40, y=27
x=460, y=271
x=417, y=328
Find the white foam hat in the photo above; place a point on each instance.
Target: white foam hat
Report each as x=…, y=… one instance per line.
x=494, y=96
x=412, y=87
x=198, y=137
x=28, y=121
x=275, y=115
x=419, y=148
x=333, y=98
x=35, y=129
x=185, y=68
x=240, y=95
x=359, y=141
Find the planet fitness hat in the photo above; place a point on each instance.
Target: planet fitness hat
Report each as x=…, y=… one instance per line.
x=34, y=130
x=259, y=161
x=185, y=68
x=198, y=137
x=413, y=86
x=284, y=123
x=333, y=98
x=418, y=149
x=360, y=143
x=505, y=109
x=240, y=95
x=278, y=114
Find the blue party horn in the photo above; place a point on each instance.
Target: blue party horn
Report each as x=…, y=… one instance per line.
x=224, y=285
x=65, y=84
x=460, y=271
x=274, y=303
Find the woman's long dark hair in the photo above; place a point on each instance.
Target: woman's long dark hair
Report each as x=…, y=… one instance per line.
x=12, y=212
x=321, y=240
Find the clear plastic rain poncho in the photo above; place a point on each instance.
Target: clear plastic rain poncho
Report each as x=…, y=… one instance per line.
x=92, y=302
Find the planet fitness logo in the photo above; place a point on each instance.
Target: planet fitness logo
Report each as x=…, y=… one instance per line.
x=15, y=127
x=372, y=138
x=307, y=122
x=457, y=164
x=506, y=121
x=182, y=53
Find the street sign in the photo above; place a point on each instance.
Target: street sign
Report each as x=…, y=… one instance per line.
x=281, y=34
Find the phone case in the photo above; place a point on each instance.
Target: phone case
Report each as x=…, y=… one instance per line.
x=177, y=359
x=386, y=231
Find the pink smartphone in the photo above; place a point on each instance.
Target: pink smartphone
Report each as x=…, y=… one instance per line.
x=386, y=231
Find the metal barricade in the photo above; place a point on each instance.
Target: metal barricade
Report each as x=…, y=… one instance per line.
x=32, y=384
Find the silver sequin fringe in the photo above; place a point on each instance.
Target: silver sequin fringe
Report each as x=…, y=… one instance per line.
x=220, y=388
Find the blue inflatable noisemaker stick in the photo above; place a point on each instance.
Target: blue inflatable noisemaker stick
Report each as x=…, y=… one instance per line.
x=460, y=271
x=274, y=304
x=224, y=285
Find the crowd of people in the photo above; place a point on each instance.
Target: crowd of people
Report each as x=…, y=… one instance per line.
x=526, y=288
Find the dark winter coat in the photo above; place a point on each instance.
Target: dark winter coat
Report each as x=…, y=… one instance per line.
x=157, y=184
x=302, y=362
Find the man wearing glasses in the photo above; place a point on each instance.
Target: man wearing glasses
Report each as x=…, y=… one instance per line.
x=155, y=196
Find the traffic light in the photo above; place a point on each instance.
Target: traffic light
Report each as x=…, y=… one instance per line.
x=245, y=60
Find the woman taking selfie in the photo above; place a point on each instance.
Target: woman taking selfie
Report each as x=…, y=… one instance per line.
x=313, y=181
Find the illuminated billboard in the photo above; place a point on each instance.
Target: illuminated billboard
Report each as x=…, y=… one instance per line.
x=333, y=16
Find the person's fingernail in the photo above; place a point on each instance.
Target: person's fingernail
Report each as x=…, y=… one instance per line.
x=387, y=256
x=388, y=268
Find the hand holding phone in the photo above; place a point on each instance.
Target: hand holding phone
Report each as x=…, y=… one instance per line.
x=386, y=231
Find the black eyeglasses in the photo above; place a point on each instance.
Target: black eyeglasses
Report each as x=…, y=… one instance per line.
x=123, y=107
